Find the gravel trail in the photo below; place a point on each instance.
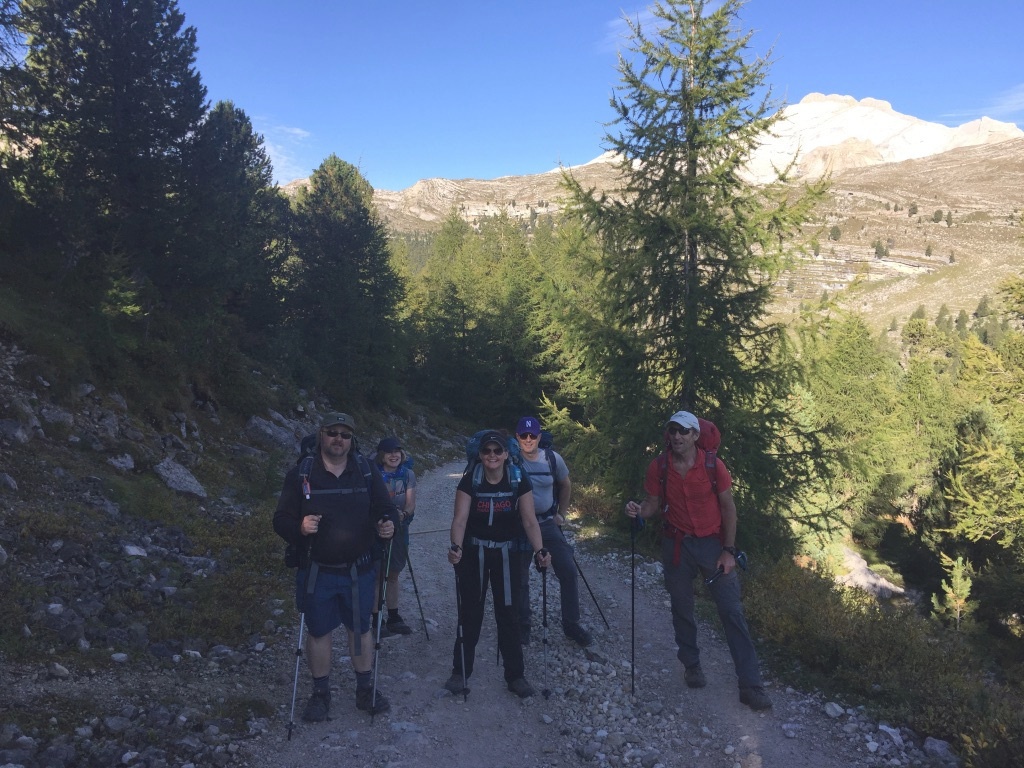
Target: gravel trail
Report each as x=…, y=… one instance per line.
x=590, y=718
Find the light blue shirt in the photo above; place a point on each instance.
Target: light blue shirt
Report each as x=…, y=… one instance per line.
x=543, y=483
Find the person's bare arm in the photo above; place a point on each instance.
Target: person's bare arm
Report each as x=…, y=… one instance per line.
x=459, y=518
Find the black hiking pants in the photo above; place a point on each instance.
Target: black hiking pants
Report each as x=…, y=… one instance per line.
x=474, y=594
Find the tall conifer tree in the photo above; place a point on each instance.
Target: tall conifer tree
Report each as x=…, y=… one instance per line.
x=112, y=100
x=344, y=292
x=689, y=253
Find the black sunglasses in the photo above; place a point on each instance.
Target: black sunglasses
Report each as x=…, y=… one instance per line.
x=338, y=433
x=527, y=436
x=675, y=429
x=496, y=451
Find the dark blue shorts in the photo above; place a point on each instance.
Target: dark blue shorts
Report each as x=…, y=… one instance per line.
x=331, y=605
x=399, y=548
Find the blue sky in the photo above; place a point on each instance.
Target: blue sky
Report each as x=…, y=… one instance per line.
x=410, y=90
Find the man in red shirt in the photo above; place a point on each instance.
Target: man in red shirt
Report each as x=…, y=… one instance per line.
x=699, y=538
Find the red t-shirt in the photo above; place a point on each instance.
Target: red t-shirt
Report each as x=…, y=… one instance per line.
x=692, y=504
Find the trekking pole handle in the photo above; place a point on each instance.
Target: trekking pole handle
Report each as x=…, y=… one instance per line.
x=541, y=559
x=714, y=577
x=454, y=554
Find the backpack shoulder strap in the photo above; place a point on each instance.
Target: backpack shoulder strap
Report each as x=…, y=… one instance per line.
x=711, y=467
x=515, y=474
x=305, y=467
x=366, y=470
x=663, y=480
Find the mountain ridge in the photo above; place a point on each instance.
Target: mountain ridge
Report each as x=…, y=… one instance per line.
x=824, y=133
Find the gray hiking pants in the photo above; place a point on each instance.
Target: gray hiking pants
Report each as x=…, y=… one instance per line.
x=699, y=557
x=564, y=566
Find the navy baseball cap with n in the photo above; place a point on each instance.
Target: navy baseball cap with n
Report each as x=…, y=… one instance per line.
x=528, y=425
x=334, y=419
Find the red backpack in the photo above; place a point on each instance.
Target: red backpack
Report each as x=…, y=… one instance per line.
x=708, y=441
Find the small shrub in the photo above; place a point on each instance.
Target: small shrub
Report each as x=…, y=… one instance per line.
x=895, y=660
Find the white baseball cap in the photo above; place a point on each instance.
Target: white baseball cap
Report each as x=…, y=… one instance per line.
x=684, y=419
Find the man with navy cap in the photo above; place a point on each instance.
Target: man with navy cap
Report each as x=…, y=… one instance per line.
x=699, y=539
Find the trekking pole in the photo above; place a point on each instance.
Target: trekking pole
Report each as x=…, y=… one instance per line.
x=295, y=684
x=412, y=575
x=632, y=606
x=587, y=584
x=380, y=623
x=458, y=634
x=544, y=623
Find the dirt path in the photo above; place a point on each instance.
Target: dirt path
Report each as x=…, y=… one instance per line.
x=590, y=719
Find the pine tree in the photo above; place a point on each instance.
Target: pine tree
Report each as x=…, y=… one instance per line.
x=690, y=253
x=231, y=254
x=9, y=37
x=343, y=291
x=112, y=100
x=956, y=608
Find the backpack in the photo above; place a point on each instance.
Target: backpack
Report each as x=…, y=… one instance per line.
x=709, y=441
x=513, y=460
x=399, y=475
x=293, y=555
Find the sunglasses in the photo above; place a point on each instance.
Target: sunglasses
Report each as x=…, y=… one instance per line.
x=677, y=430
x=498, y=451
x=527, y=436
x=338, y=433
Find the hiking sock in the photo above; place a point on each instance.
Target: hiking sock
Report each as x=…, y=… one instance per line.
x=364, y=680
x=392, y=614
x=322, y=684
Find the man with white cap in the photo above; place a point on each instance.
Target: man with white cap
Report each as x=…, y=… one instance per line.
x=699, y=538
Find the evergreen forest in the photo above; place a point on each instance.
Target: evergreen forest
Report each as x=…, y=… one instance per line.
x=145, y=245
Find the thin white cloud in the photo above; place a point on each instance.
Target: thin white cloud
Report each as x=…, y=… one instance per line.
x=617, y=31
x=295, y=133
x=285, y=145
x=1008, y=104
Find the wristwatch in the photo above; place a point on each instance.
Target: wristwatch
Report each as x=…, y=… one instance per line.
x=731, y=550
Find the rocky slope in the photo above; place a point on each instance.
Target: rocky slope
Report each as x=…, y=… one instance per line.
x=92, y=675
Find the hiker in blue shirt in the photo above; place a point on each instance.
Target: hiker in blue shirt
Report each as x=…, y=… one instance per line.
x=548, y=472
x=400, y=480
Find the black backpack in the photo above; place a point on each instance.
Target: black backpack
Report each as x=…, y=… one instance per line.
x=294, y=556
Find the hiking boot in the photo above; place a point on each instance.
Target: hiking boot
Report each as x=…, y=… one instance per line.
x=694, y=677
x=521, y=688
x=366, y=701
x=755, y=698
x=579, y=634
x=385, y=631
x=396, y=625
x=524, y=635
x=317, y=707
x=455, y=684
